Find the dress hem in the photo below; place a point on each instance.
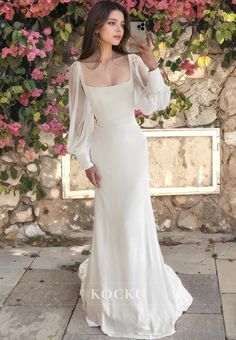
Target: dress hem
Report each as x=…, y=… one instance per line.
x=142, y=336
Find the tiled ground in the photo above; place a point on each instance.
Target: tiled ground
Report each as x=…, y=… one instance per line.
x=39, y=298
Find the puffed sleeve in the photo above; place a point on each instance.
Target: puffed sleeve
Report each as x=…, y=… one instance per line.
x=151, y=93
x=81, y=119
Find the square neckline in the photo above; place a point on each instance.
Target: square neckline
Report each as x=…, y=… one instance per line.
x=107, y=86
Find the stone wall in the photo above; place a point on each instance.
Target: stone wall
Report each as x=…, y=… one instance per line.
x=214, y=105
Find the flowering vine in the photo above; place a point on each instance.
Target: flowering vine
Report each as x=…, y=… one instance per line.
x=35, y=34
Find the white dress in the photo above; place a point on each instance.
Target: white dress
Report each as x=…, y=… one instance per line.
x=126, y=288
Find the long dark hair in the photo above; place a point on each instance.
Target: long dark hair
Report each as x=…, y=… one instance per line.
x=97, y=16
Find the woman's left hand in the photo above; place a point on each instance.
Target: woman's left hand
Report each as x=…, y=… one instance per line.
x=145, y=50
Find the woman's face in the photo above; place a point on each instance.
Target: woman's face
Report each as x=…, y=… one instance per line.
x=112, y=30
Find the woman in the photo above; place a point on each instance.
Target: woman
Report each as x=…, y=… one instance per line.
x=126, y=288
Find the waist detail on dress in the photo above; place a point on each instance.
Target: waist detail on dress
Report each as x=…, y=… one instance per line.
x=117, y=122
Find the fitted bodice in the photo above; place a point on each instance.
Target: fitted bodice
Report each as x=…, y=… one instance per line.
x=111, y=104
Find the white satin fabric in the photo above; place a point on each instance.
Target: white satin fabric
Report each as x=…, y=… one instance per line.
x=126, y=288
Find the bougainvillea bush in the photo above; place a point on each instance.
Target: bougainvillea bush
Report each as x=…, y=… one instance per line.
x=35, y=35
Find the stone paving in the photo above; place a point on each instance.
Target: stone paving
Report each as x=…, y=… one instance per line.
x=39, y=296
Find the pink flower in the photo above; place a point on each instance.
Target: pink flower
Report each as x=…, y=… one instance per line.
x=60, y=149
x=6, y=51
x=34, y=52
x=39, y=8
x=40, y=53
x=156, y=27
x=37, y=74
x=35, y=34
x=33, y=37
x=25, y=33
x=131, y=4
x=45, y=127
x=21, y=143
x=65, y=1
x=60, y=78
x=36, y=93
x=31, y=56
x=56, y=127
x=175, y=10
x=141, y=4
x=166, y=26
x=188, y=66
x=74, y=51
x=7, y=9
x=47, y=31
x=162, y=5
x=14, y=128
x=22, y=50
x=48, y=45
x=31, y=155
x=51, y=109
x=24, y=98
x=139, y=113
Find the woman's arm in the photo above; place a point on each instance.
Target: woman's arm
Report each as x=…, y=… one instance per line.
x=151, y=92
x=81, y=119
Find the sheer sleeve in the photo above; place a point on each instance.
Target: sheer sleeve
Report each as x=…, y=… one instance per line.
x=151, y=92
x=81, y=119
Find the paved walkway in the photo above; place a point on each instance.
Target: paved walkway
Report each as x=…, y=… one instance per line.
x=39, y=291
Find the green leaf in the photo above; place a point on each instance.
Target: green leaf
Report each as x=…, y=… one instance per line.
x=80, y=12
x=3, y=175
x=22, y=41
x=27, y=183
x=17, y=89
x=13, y=172
x=178, y=61
x=4, y=100
x=37, y=145
x=140, y=15
x=39, y=192
x=16, y=35
x=228, y=35
x=6, y=32
x=68, y=27
x=168, y=63
x=56, y=26
x=134, y=12
x=64, y=35
x=209, y=33
x=59, y=139
x=29, y=85
x=25, y=113
x=174, y=67
x=17, y=25
x=20, y=70
x=176, y=29
x=35, y=27
x=35, y=131
x=219, y=37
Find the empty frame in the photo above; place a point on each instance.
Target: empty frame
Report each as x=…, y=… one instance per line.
x=181, y=161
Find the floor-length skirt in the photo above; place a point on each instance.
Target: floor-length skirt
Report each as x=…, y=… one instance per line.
x=126, y=288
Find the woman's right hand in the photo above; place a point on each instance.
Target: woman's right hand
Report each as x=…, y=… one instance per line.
x=93, y=175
